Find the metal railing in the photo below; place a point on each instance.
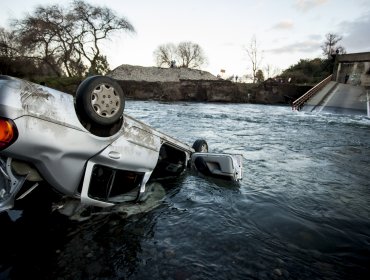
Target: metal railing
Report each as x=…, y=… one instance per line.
x=368, y=104
x=298, y=103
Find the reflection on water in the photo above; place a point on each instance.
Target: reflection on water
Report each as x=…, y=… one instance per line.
x=301, y=211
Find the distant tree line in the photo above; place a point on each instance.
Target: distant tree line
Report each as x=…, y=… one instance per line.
x=59, y=41
x=306, y=71
x=312, y=71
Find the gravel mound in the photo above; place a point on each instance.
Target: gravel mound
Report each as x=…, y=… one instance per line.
x=155, y=74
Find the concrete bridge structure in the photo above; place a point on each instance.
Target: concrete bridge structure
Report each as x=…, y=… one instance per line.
x=346, y=91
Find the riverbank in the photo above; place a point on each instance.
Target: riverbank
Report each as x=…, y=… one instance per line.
x=183, y=84
x=212, y=91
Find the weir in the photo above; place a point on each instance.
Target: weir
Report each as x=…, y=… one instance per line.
x=344, y=92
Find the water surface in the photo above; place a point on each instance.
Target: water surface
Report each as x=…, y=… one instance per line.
x=301, y=211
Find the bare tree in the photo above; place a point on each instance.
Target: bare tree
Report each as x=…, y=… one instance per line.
x=7, y=50
x=12, y=62
x=95, y=24
x=69, y=39
x=8, y=44
x=190, y=55
x=185, y=54
x=330, y=46
x=271, y=71
x=42, y=36
x=165, y=54
x=255, y=56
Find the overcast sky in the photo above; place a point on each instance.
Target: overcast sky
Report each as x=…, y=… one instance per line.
x=286, y=30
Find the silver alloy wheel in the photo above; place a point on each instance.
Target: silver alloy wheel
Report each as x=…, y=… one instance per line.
x=105, y=101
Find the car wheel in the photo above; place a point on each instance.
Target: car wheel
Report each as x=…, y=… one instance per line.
x=201, y=146
x=100, y=99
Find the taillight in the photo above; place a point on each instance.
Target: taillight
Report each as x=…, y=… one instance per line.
x=8, y=133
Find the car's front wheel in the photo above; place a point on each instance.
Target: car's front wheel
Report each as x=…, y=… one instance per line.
x=100, y=100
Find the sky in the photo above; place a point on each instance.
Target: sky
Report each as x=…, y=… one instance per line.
x=285, y=30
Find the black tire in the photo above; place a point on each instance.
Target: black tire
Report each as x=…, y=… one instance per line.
x=200, y=146
x=100, y=100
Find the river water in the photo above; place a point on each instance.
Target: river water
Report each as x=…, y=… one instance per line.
x=301, y=211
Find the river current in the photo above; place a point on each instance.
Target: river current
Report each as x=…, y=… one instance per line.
x=301, y=211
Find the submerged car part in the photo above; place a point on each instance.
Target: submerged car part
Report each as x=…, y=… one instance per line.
x=223, y=166
x=200, y=145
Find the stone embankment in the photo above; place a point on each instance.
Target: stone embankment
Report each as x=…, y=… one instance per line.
x=181, y=84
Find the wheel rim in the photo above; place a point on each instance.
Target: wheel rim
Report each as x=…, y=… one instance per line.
x=105, y=101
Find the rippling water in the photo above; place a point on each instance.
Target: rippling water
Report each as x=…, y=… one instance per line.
x=301, y=211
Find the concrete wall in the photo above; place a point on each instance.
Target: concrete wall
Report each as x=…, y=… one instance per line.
x=353, y=69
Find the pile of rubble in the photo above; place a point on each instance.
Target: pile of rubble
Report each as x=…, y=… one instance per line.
x=156, y=74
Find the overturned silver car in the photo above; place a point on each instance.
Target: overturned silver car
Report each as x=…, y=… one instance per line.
x=86, y=147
